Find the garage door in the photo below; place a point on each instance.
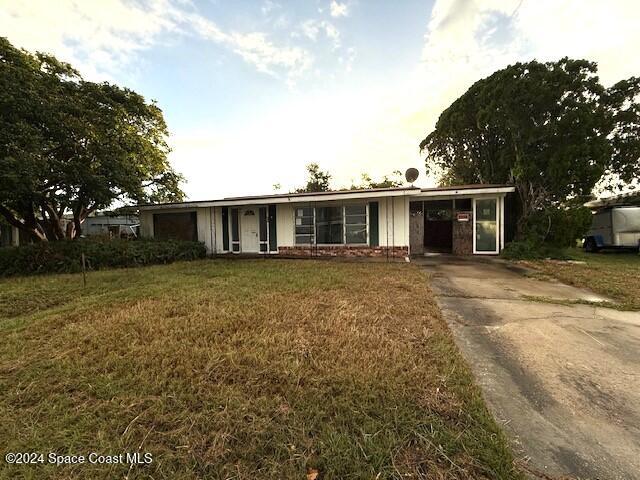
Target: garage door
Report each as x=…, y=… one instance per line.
x=175, y=226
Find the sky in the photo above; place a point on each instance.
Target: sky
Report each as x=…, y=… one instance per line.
x=252, y=91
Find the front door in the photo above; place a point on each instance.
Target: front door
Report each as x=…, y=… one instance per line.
x=249, y=229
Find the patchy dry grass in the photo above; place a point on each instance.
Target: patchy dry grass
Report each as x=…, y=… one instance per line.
x=614, y=274
x=241, y=370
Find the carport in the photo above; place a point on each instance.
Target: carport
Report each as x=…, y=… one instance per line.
x=462, y=221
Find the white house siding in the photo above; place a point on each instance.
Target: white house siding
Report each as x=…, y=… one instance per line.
x=285, y=214
x=393, y=219
x=205, y=230
x=217, y=230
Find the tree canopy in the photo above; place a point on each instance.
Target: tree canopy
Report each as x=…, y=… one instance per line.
x=70, y=146
x=317, y=180
x=396, y=179
x=551, y=129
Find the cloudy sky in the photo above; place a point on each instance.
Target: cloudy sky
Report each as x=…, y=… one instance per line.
x=254, y=90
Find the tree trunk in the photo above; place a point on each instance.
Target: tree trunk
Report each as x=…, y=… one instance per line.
x=524, y=192
x=29, y=225
x=532, y=200
x=54, y=222
x=80, y=213
x=77, y=227
x=70, y=232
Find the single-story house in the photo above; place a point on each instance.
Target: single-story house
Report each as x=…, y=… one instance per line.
x=391, y=222
x=96, y=224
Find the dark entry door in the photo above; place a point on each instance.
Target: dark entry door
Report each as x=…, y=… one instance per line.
x=438, y=225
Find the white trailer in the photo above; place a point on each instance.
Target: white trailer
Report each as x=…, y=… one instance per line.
x=614, y=227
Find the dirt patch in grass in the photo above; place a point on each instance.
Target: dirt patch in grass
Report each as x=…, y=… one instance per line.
x=253, y=369
x=614, y=274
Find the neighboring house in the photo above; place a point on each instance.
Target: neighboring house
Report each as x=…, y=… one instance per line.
x=9, y=235
x=394, y=222
x=114, y=226
x=99, y=224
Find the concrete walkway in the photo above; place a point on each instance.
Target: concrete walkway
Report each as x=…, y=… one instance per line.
x=563, y=379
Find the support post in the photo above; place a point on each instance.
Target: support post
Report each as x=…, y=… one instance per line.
x=84, y=268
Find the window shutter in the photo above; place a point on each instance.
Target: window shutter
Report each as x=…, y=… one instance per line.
x=235, y=230
x=225, y=229
x=273, y=240
x=373, y=224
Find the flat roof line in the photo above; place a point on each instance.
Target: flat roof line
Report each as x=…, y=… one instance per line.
x=287, y=195
x=317, y=196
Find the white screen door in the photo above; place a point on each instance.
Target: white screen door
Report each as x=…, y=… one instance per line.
x=485, y=225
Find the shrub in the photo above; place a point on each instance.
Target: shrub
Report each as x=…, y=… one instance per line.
x=532, y=250
x=558, y=227
x=549, y=232
x=65, y=256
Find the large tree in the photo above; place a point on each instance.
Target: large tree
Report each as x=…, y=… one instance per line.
x=317, y=179
x=70, y=146
x=551, y=129
x=394, y=180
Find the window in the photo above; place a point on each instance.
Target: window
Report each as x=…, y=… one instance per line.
x=304, y=226
x=355, y=223
x=175, y=226
x=329, y=225
x=335, y=225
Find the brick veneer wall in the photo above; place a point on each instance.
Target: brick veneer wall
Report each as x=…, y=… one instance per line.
x=416, y=233
x=463, y=236
x=343, y=251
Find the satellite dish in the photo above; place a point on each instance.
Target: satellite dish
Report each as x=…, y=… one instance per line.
x=411, y=175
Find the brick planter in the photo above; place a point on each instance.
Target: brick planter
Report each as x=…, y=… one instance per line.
x=343, y=251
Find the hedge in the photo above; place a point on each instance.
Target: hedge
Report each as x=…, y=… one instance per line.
x=65, y=256
x=530, y=250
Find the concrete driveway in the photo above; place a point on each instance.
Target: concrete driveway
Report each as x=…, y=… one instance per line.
x=563, y=379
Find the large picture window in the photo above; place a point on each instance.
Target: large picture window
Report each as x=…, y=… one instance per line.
x=334, y=225
x=329, y=225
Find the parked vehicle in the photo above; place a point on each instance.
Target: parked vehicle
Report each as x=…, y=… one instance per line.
x=614, y=227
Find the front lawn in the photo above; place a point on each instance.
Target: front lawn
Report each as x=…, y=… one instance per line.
x=610, y=273
x=241, y=369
